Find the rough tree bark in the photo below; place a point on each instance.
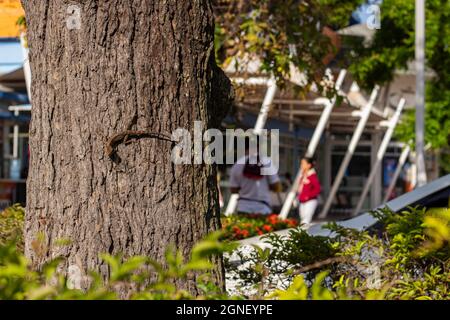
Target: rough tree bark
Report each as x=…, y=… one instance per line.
x=134, y=64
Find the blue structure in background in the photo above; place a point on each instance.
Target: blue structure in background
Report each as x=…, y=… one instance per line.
x=14, y=155
x=11, y=57
x=14, y=98
x=11, y=62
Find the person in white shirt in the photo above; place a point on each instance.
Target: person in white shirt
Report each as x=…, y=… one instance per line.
x=253, y=189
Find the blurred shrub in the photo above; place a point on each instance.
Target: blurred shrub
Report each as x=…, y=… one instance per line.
x=18, y=281
x=11, y=225
x=409, y=258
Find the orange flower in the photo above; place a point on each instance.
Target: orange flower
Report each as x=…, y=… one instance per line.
x=272, y=219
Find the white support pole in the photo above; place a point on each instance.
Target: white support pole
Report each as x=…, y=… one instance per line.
x=377, y=190
x=420, y=92
x=381, y=151
x=329, y=105
x=350, y=150
x=232, y=204
x=400, y=164
x=26, y=65
x=6, y=148
x=265, y=108
x=16, y=138
x=260, y=124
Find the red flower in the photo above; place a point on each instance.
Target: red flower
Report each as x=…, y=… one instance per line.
x=245, y=233
x=258, y=231
x=272, y=220
x=291, y=223
x=267, y=228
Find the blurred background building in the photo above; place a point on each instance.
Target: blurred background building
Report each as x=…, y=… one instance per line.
x=14, y=155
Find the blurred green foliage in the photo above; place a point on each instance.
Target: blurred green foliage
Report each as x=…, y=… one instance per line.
x=408, y=257
x=391, y=50
x=280, y=33
x=19, y=281
x=11, y=225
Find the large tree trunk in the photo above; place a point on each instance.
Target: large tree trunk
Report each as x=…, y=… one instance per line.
x=134, y=64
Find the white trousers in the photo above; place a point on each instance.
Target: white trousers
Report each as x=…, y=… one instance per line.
x=307, y=210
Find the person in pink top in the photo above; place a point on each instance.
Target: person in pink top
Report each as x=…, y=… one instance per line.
x=309, y=190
